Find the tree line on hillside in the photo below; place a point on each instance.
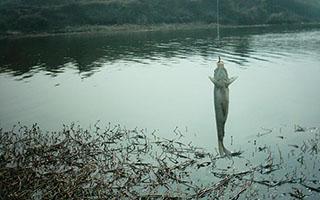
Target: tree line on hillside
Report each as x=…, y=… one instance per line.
x=50, y=15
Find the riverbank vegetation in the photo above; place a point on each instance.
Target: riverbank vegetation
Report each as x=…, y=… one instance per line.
x=116, y=163
x=32, y=16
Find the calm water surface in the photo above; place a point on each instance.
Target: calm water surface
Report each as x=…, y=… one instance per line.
x=159, y=80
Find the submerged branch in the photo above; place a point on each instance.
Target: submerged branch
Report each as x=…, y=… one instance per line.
x=126, y=164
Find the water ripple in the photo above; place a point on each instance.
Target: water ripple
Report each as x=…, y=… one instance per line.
x=22, y=56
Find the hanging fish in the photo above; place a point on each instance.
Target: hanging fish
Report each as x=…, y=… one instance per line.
x=221, y=83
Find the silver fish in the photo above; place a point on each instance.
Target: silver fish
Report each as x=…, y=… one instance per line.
x=221, y=83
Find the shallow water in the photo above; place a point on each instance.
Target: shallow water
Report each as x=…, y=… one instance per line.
x=159, y=80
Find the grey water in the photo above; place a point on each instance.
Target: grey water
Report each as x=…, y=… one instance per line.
x=158, y=80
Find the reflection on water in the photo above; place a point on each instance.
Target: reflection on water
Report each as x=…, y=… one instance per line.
x=23, y=57
x=159, y=80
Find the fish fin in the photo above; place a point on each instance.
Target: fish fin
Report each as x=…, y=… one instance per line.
x=221, y=148
x=227, y=152
x=212, y=80
x=232, y=79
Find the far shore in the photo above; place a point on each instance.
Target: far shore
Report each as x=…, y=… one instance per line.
x=114, y=29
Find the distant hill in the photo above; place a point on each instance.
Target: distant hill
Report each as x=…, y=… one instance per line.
x=50, y=15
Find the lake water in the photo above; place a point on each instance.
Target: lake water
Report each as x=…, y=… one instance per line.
x=159, y=80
